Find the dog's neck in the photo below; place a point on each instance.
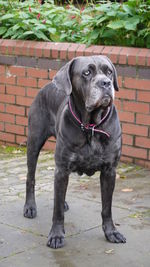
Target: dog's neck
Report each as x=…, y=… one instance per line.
x=86, y=117
x=78, y=107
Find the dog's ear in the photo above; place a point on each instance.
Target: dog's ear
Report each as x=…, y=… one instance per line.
x=116, y=86
x=62, y=79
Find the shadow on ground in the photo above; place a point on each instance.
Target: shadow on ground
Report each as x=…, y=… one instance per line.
x=23, y=241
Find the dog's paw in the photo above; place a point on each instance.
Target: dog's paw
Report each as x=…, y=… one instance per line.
x=30, y=211
x=56, y=237
x=115, y=237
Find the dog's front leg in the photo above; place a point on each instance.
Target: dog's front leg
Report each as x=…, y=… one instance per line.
x=107, y=187
x=56, y=235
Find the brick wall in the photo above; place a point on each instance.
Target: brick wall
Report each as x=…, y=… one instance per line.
x=26, y=66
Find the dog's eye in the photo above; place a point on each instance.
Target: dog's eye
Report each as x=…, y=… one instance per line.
x=87, y=73
x=109, y=72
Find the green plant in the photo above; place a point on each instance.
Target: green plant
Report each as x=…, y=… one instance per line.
x=126, y=24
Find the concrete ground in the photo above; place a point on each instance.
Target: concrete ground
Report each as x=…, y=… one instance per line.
x=23, y=241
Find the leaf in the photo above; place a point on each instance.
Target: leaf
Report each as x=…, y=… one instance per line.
x=7, y=16
x=28, y=33
x=110, y=251
x=127, y=190
x=52, y=30
x=100, y=20
x=118, y=24
x=41, y=36
x=2, y=30
x=131, y=23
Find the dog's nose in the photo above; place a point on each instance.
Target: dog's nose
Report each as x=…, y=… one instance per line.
x=104, y=83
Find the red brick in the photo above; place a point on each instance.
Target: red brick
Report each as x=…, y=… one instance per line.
x=2, y=69
x=134, y=152
x=80, y=50
x=119, y=82
x=134, y=129
x=2, y=107
x=7, y=137
x=88, y=51
x=7, y=98
x=15, y=90
x=2, y=88
x=31, y=48
x=25, y=49
x=21, y=120
x=142, y=142
x=98, y=49
x=107, y=50
x=55, y=50
x=32, y=92
x=132, y=56
x=135, y=107
x=142, y=56
x=42, y=83
x=143, y=96
x=137, y=84
x=144, y=163
x=13, y=109
x=32, y=82
x=37, y=73
x=126, y=159
x=39, y=49
x=148, y=59
x=7, y=118
x=8, y=79
x=114, y=55
x=72, y=50
x=118, y=104
x=3, y=48
x=64, y=51
x=143, y=119
x=126, y=116
x=24, y=101
x=126, y=94
x=123, y=55
x=17, y=70
x=10, y=47
x=17, y=129
x=1, y=126
x=21, y=140
x=52, y=73
x=18, y=47
x=47, y=50
x=127, y=139
x=49, y=146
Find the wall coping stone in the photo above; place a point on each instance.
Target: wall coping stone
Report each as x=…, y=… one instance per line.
x=67, y=51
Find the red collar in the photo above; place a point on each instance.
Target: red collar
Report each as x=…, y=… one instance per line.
x=92, y=128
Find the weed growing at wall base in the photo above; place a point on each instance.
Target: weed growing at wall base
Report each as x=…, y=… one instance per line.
x=108, y=23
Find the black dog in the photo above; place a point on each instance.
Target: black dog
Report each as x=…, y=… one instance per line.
x=77, y=108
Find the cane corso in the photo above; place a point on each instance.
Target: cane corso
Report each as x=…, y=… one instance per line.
x=77, y=108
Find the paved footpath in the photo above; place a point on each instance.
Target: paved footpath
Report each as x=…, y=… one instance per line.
x=23, y=241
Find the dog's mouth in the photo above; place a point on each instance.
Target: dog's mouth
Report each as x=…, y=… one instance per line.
x=103, y=103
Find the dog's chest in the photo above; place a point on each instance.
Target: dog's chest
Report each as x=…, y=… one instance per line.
x=87, y=159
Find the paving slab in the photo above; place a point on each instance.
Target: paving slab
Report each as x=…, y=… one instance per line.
x=23, y=241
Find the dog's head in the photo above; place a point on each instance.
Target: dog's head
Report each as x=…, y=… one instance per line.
x=92, y=79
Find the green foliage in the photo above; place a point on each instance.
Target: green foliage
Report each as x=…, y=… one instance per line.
x=124, y=24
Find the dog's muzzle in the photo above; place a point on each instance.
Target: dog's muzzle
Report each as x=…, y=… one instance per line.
x=106, y=101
